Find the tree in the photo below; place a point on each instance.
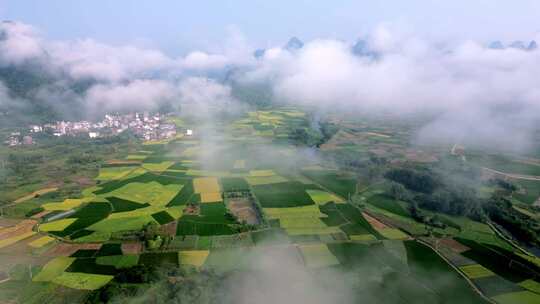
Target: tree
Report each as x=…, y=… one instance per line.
x=398, y=192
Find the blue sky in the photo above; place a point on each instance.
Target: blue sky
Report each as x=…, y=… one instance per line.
x=179, y=26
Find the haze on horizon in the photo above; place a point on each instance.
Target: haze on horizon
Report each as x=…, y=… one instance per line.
x=180, y=26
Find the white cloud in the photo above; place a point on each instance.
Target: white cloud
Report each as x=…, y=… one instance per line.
x=18, y=42
x=136, y=94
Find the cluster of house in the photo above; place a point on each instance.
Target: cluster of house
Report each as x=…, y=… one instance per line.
x=144, y=125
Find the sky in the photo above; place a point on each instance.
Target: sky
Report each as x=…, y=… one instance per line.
x=177, y=27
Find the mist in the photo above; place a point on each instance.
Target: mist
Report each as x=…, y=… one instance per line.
x=474, y=94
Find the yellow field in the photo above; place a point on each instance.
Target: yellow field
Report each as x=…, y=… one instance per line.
x=15, y=239
x=193, y=257
x=42, y=241
x=57, y=225
x=476, y=271
x=211, y=197
x=68, y=204
x=206, y=185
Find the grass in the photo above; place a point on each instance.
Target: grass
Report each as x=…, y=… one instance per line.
x=531, y=285
x=193, y=257
x=322, y=197
x=289, y=194
x=234, y=184
x=112, y=173
x=157, y=167
x=362, y=237
x=123, y=205
x=206, y=185
x=84, y=281
x=42, y=241
x=53, y=268
x=163, y=217
x=94, y=237
x=338, y=182
x=476, y=271
x=518, y=297
x=57, y=225
x=110, y=225
x=183, y=196
x=310, y=211
x=393, y=234
x=152, y=193
x=68, y=204
x=118, y=261
x=317, y=255
x=14, y=239
x=265, y=180
x=387, y=203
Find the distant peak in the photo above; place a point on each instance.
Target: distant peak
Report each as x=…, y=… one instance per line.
x=259, y=53
x=518, y=44
x=294, y=44
x=532, y=45
x=497, y=45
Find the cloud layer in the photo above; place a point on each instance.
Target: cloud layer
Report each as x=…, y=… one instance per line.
x=468, y=85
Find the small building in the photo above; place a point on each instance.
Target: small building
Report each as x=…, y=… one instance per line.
x=93, y=134
x=189, y=132
x=28, y=140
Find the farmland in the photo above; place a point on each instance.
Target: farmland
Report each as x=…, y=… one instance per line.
x=237, y=201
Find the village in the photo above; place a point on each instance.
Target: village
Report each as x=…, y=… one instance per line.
x=147, y=126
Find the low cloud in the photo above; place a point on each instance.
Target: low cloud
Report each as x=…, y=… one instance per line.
x=139, y=94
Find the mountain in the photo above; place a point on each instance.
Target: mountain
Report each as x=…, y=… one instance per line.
x=518, y=44
x=496, y=45
x=361, y=48
x=259, y=53
x=294, y=44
